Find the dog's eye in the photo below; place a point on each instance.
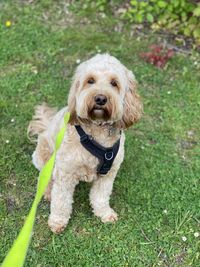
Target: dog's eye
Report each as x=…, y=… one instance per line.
x=114, y=83
x=91, y=80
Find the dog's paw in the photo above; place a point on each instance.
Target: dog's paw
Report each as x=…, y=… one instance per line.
x=57, y=226
x=109, y=216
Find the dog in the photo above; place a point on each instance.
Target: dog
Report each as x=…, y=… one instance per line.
x=102, y=102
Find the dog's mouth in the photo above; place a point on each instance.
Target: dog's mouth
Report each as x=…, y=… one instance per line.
x=99, y=113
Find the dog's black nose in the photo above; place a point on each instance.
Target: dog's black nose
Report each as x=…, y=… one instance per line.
x=100, y=100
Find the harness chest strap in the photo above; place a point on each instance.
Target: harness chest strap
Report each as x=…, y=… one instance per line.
x=106, y=155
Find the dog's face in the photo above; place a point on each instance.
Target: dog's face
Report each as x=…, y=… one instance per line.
x=99, y=97
x=103, y=90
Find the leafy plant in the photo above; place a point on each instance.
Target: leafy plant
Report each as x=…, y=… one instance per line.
x=158, y=56
x=177, y=16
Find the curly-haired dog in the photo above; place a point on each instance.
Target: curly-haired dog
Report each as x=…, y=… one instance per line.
x=102, y=102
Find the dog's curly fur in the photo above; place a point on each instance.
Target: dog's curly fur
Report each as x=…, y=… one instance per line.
x=105, y=75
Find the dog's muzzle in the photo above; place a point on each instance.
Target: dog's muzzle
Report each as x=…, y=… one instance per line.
x=100, y=109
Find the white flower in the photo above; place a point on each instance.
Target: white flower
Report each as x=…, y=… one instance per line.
x=195, y=63
x=169, y=92
x=35, y=72
x=165, y=211
x=7, y=141
x=184, y=157
x=196, y=234
x=99, y=50
x=184, y=238
x=78, y=61
x=12, y=120
x=142, y=147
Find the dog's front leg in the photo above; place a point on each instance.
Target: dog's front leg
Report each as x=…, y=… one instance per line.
x=61, y=202
x=100, y=195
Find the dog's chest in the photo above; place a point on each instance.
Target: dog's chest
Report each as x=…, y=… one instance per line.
x=75, y=159
x=86, y=165
x=78, y=162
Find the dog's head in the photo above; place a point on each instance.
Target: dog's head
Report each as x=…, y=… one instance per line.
x=103, y=90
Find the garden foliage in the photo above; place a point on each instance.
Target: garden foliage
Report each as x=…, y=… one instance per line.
x=176, y=16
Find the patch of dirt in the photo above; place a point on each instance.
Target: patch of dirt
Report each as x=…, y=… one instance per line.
x=79, y=231
x=59, y=16
x=179, y=258
x=187, y=144
x=11, y=204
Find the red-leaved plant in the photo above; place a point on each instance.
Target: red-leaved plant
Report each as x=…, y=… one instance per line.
x=158, y=56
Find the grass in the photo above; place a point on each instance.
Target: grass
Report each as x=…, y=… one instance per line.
x=156, y=192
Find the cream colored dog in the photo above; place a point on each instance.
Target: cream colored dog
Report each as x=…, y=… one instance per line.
x=103, y=100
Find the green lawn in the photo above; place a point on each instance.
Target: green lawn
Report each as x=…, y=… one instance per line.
x=156, y=193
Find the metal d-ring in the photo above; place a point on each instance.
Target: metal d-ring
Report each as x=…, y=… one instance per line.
x=107, y=156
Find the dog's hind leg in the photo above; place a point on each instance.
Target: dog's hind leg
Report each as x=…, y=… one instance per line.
x=40, y=156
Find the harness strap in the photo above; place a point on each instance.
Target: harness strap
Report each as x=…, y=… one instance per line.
x=105, y=155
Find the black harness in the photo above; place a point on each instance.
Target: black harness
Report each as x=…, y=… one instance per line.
x=106, y=155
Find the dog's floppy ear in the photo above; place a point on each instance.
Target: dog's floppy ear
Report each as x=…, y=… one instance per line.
x=72, y=100
x=133, y=107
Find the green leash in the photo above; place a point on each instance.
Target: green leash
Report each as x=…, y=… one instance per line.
x=16, y=255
